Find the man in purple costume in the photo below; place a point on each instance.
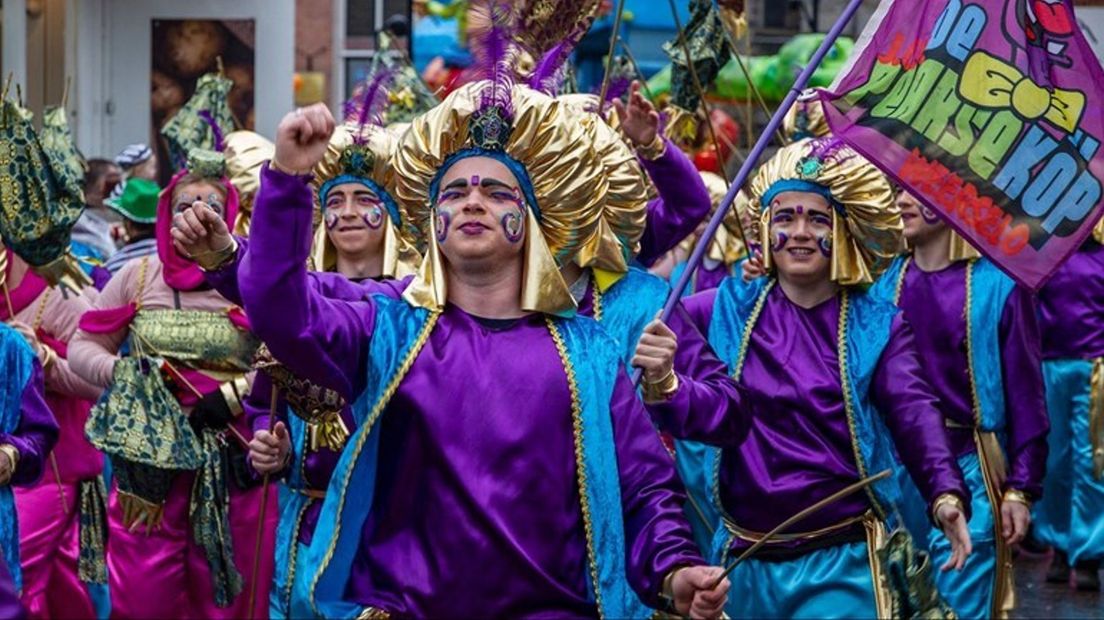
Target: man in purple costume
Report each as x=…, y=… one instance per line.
x=828, y=374
x=978, y=334
x=486, y=509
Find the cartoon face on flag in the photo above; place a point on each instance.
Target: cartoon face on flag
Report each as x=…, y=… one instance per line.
x=990, y=112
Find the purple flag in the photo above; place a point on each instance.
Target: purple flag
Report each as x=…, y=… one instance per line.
x=990, y=112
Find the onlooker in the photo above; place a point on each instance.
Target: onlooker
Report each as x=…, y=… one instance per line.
x=138, y=161
x=138, y=206
x=92, y=236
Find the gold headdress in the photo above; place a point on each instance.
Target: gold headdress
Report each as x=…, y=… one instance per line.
x=360, y=151
x=805, y=118
x=1098, y=231
x=726, y=247
x=625, y=211
x=866, y=223
x=245, y=153
x=554, y=157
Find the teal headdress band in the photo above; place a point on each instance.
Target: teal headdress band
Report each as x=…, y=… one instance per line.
x=512, y=164
x=384, y=196
x=799, y=185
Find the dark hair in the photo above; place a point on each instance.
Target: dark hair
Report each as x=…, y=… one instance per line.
x=97, y=169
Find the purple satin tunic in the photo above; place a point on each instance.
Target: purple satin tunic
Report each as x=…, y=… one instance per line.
x=935, y=302
x=682, y=204
x=477, y=509
x=798, y=448
x=1071, y=307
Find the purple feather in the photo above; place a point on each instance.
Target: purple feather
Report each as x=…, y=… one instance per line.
x=215, y=129
x=367, y=106
x=491, y=44
x=549, y=74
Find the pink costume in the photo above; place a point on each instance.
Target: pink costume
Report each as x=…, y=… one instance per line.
x=50, y=511
x=165, y=572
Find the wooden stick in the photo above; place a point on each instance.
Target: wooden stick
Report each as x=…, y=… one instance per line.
x=831, y=499
x=609, y=59
x=264, y=509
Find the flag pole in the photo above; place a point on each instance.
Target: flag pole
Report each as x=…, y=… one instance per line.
x=752, y=159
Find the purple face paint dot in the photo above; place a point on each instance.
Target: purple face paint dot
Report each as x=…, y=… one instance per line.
x=475, y=180
x=800, y=209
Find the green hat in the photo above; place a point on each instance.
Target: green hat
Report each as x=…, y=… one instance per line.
x=138, y=202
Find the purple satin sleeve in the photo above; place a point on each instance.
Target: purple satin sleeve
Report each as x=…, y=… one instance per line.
x=328, y=284
x=705, y=390
x=657, y=536
x=319, y=339
x=699, y=308
x=911, y=411
x=1026, y=417
x=10, y=606
x=682, y=204
x=36, y=433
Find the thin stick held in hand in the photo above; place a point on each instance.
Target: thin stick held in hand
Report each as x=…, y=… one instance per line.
x=831, y=499
x=264, y=509
x=753, y=158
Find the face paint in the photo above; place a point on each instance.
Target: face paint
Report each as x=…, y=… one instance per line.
x=373, y=217
x=512, y=225
x=824, y=244
x=475, y=180
x=930, y=217
x=444, y=220
x=800, y=209
x=331, y=219
x=780, y=239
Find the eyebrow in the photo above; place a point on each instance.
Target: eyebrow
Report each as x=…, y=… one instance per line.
x=492, y=182
x=457, y=184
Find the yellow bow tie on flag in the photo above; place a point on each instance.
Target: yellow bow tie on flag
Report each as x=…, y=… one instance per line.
x=989, y=82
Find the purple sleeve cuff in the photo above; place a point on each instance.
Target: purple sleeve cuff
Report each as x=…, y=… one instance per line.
x=682, y=204
x=225, y=278
x=36, y=433
x=657, y=535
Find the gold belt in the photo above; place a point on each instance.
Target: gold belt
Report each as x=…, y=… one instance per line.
x=754, y=537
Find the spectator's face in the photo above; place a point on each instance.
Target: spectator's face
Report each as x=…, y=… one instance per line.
x=94, y=195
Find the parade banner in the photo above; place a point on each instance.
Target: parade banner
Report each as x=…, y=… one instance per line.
x=990, y=112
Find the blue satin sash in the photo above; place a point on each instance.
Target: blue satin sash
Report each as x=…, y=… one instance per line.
x=16, y=366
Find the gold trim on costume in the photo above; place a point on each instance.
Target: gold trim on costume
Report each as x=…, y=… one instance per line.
x=875, y=540
x=370, y=422
x=1096, y=417
x=754, y=537
x=993, y=466
x=577, y=426
x=848, y=399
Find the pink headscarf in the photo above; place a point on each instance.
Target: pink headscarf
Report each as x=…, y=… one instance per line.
x=179, y=272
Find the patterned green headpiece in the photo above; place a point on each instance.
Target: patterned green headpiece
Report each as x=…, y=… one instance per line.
x=206, y=164
x=200, y=123
x=40, y=192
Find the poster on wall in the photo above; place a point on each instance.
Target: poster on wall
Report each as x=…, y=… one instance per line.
x=182, y=50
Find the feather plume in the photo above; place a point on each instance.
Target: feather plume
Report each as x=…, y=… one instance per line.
x=491, y=43
x=367, y=106
x=215, y=129
x=548, y=76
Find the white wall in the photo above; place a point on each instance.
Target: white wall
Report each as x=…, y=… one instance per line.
x=113, y=63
